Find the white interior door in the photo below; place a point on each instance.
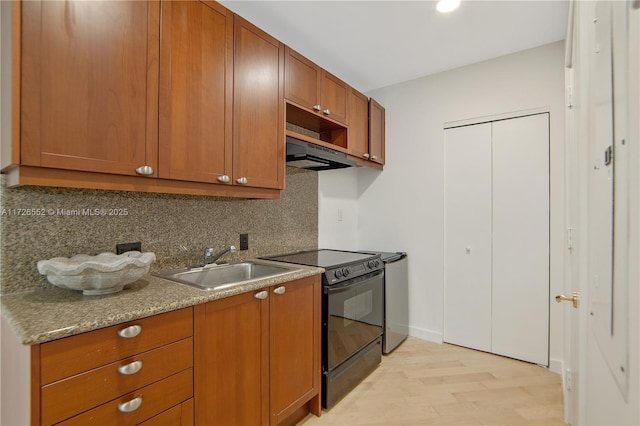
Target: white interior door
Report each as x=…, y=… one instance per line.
x=604, y=137
x=520, y=276
x=467, y=236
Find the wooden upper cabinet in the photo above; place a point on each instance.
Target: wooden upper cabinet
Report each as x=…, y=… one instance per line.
x=334, y=97
x=376, y=132
x=258, y=102
x=196, y=89
x=302, y=80
x=89, y=85
x=315, y=89
x=358, y=133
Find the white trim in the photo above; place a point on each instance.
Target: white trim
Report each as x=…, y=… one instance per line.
x=557, y=366
x=504, y=116
x=424, y=334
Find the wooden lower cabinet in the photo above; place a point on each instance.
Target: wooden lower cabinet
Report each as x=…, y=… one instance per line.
x=294, y=349
x=125, y=374
x=257, y=355
x=231, y=361
x=180, y=415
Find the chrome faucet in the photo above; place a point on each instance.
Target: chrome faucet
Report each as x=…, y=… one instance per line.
x=211, y=257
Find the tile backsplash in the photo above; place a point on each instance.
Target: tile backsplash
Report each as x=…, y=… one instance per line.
x=39, y=223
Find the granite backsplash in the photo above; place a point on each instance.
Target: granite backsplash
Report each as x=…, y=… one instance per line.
x=39, y=223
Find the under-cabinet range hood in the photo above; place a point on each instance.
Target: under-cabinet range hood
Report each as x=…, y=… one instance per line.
x=305, y=155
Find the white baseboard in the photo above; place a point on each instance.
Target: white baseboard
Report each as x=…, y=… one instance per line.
x=556, y=366
x=424, y=334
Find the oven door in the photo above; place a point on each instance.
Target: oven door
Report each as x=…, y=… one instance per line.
x=352, y=317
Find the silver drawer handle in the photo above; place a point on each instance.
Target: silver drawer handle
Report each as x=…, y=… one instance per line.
x=131, y=368
x=280, y=290
x=144, y=170
x=129, y=406
x=262, y=295
x=317, y=107
x=327, y=111
x=131, y=331
x=242, y=181
x=224, y=179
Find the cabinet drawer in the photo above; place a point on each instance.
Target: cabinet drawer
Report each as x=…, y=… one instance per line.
x=156, y=398
x=65, y=398
x=76, y=354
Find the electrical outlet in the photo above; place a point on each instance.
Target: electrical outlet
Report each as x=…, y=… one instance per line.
x=125, y=247
x=244, y=241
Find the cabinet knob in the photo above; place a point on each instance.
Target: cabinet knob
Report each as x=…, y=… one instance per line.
x=131, y=368
x=374, y=157
x=262, y=295
x=242, y=180
x=131, y=331
x=327, y=111
x=145, y=170
x=317, y=108
x=366, y=155
x=280, y=290
x=224, y=179
x=129, y=406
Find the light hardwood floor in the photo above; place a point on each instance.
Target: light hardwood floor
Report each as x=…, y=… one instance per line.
x=424, y=383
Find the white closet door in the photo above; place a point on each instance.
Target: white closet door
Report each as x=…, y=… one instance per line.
x=520, y=320
x=467, y=236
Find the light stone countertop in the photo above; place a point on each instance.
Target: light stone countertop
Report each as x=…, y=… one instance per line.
x=43, y=315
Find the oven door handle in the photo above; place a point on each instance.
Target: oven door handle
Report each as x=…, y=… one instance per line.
x=349, y=286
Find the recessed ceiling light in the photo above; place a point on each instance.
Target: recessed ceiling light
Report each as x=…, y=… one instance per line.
x=446, y=6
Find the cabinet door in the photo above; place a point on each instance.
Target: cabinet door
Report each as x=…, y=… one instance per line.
x=295, y=346
x=196, y=84
x=301, y=80
x=334, y=97
x=180, y=415
x=467, y=237
x=376, y=132
x=520, y=296
x=231, y=361
x=258, y=129
x=89, y=85
x=358, y=133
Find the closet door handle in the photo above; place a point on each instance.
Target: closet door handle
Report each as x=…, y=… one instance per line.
x=574, y=298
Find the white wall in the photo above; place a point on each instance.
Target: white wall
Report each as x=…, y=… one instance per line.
x=401, y=208
x=338, y=209
x=15, y=364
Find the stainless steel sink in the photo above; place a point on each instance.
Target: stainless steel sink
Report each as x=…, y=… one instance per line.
x=220, y=277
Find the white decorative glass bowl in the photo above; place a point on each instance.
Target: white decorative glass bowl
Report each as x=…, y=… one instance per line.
x=102, y=274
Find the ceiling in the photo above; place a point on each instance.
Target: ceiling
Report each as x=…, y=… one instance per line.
x=371, y=44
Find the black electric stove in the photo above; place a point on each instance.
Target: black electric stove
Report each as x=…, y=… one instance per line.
x=352, y=316
x=340, y=265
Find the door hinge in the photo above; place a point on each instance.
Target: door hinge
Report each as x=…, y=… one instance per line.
x=567, y=379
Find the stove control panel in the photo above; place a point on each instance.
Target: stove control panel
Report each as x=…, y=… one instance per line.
x=346, y=272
